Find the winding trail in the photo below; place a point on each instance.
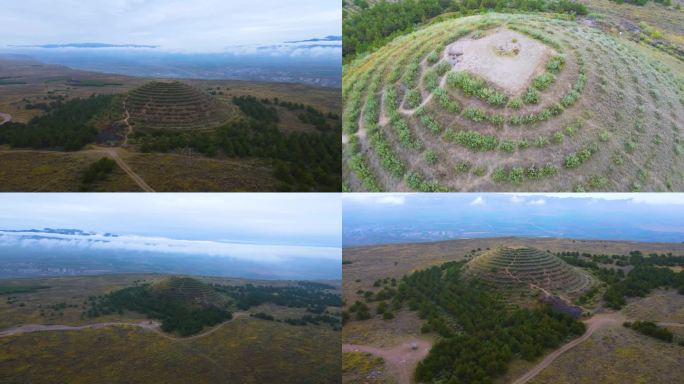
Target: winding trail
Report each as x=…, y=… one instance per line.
x=5, y=118
x=147, y=325
x=114, y=155
x=593, y=324
x=401, y=358
x=129, y=127
x=108, y=152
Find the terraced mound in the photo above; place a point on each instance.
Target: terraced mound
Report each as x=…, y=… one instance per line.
x=173, y=105
x=188, y=290
x=512, y=102
x=524, y=268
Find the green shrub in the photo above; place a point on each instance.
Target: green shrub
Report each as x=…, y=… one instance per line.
x=496, y=119
x=558, y=137
x=555, y=64
x=540, y=141
x=515, y=103
x=361, y=169
x=413, y=98
x=430, y=80
x=604, y=136
x=618, y=159
x=507, y=146
x=543, y=81
x=445, y=101
x=523, y=144
x=442, y=68
x=433, y=57
x=417, y=183
x=430, y=157
x=430, y=123
x=531, y=96
x=480, y=171
x=475, y=114
x=463, y=167
x=473, y=140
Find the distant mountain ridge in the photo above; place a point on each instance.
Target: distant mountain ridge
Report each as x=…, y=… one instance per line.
x=85, y=45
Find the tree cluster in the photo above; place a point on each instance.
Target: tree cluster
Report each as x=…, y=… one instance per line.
x=302, y=161
x=650, y=328
x=313, y=296
x=480, y=334
x=176, y=315
x=68, y=127
x=374, y=27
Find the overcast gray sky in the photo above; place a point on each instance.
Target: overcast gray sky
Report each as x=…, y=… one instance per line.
x=175, y=25
x=265, y=218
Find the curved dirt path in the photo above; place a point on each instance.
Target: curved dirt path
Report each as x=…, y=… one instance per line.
x=30, y=328
x=148, y=325
x=593, y=324
x=108, y=152
x=5, y=118
x=665, y=324
x=400, y=358
x=114, y=155
x=129, y=127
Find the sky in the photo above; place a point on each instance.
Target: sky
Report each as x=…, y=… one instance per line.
x=393, y=218
x=262, y=218
x=174, y=25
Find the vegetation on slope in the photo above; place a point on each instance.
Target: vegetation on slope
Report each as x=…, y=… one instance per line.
x=372, y=28
x=650, y=328
x=177, y=315
x=303, y=161
x=481, y=335
x=68, y=126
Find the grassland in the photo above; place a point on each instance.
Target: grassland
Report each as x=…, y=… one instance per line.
x=606, y=116
x=197, y=105
x=246, y=349
x=617, y=355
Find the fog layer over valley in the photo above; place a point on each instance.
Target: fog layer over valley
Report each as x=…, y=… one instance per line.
x=54, y=252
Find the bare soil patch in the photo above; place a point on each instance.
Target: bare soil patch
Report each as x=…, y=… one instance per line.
x=506, y=58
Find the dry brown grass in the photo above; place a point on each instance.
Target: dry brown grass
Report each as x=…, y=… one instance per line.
x=616, y=355
x=174, y=173
x=44, y=171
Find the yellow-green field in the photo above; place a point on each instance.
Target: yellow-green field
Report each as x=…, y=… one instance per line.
x=244, y=350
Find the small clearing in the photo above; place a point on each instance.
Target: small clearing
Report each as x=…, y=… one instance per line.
x=401, y=359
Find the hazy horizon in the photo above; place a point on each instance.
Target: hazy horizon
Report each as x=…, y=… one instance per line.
x=294, y=236
x=200, y=26
x=374, y=219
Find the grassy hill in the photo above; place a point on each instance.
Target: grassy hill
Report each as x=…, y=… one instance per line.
x=173, y=105
x=513, y=269
x=263, y=335
x=435, y=110
x=432, y=297
x=185, y=135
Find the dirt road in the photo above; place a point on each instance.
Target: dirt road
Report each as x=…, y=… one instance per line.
x=29, y=328
x=108, y=152
x=401, y=358
x=114, y=155
x=129, y=128
x=593, y=324
x=5, y=118
x=678, y=325
x=147, y=325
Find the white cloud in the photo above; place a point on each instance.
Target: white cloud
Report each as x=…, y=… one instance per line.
x=264, y=253
x=637, y=198
x=478, y=201
x=177, y=25
x=376, y=198
x=517, y=199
